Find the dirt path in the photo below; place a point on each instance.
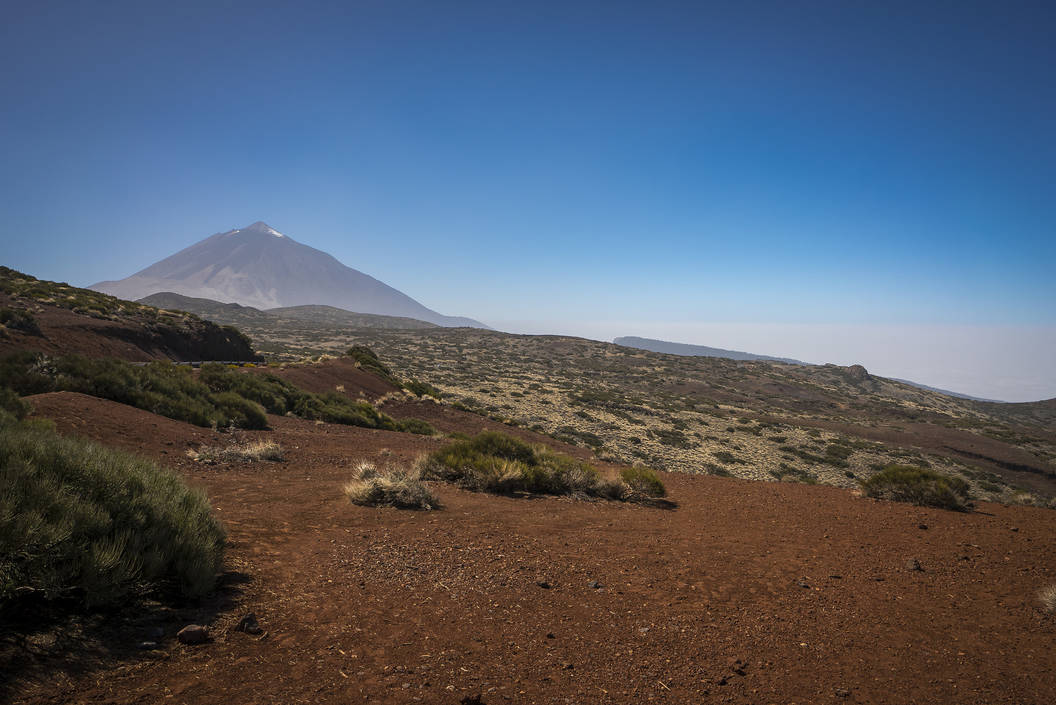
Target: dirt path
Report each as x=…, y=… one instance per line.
x=745, y=593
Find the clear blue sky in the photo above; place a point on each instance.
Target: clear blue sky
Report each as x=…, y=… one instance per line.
x=564, y=163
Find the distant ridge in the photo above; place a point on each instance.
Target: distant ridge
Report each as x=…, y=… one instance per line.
x=260, y=267
x=663, y=346
x=247, y=316
x=669, y=348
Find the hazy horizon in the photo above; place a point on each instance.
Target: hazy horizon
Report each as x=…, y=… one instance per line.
x=852, y=184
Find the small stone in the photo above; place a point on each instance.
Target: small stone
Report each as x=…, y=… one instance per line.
x=469, y=699
x=738, y=666
x=193, y=634
x=836, y=577
x=568, y=666
x=803, y=584
x=550, y=635
x=1015, y=528
x=147, y=645
x=842, y=693
x=543, y=584
x=249, y=624
x=922, y=526
x=594, y=584
x=914, y=564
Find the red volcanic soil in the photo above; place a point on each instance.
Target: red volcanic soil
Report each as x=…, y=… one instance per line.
x=742, y=593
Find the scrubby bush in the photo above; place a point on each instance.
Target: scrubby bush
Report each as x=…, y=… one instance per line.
x=422, y=428
x=80, y=520
x=19, y=319
x=494, y=462
x=421, y=389
x=395, y=487
x=905, y=483
x=643, y=481
x=245, y=453
x=13, y=404
x=369, y=361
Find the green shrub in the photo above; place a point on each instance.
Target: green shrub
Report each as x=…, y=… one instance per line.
x=369, y=361
x=240, y=412
x=19, y=319
x=644, y=481
x=13, y=404
x=422, y=428
x=421, y=389
x=494, y=462
x=905, y=483
x=78, y=519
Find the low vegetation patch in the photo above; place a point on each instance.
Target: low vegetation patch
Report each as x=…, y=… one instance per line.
x=13, y=404
x=927, y=488
x=494, y=462
x=423, y=389
x=394, y=487
x=219, y=396
x=369, y=361
x=643, y=481
x=1048, y=598
x=238, y=453
x=80, y=520
x=422, y=428
x=18, y=319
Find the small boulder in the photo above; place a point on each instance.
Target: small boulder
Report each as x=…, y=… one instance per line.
x=249, y=624
x=193, y=634
x=914, y=565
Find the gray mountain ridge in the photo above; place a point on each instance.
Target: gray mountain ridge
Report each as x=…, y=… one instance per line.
x=260, y=267
x=686, y=349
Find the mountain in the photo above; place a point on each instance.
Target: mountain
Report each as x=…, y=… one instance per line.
x=663, y=346
x=260, y=267
x=247, y=317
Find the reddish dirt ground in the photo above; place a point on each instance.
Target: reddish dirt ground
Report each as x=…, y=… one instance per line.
x=743, y=593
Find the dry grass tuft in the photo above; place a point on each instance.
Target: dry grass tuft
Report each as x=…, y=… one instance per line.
x=245, y=453
x=393, y=487
x=1048, y=598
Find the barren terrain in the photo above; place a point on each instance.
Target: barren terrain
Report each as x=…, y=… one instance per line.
x=746, y=592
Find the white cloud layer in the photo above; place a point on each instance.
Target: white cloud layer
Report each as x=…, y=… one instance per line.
x=1007, y=363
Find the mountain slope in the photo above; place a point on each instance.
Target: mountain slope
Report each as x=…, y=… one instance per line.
x=58, y=319
x=247, y=316
x=663, y=346
x=259, y=266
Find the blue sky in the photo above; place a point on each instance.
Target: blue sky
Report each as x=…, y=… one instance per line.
x=574, y=167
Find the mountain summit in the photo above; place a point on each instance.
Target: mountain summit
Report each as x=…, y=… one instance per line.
x=261, y=267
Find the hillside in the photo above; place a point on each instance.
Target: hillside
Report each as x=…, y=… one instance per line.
x=284, y=333
x=751, y=419
x=668, y=348
x=57, y=318
x=260, y=267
